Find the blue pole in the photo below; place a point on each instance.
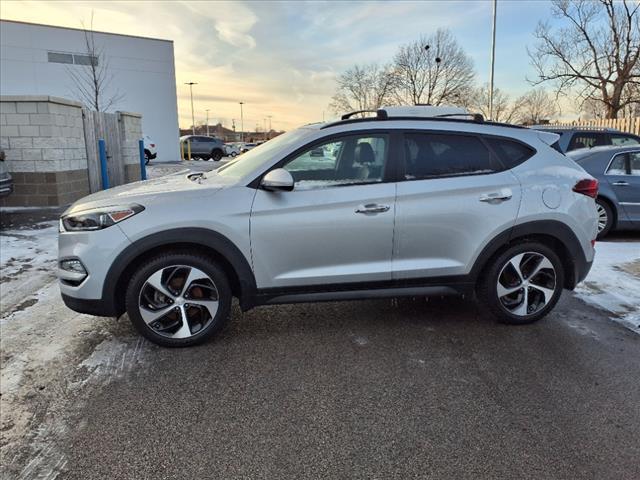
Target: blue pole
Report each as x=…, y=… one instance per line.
x=143, y=167
x=102, y=147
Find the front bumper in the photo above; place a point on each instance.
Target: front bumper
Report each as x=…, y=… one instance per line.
x=99, y=307
x=97, y=251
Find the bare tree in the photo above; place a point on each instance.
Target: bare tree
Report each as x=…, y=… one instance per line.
x=362, y=87
x=535, y=107
x=504, y=110
x=91, y=75
x=596, y=55
x=432, y=70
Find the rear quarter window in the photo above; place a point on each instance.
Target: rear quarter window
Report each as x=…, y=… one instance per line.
x=510, y=152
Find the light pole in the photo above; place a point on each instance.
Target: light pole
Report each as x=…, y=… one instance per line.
x=193, y=117
x=493, y=59
x=269, y=117
x=241, y=123
x=207, y=110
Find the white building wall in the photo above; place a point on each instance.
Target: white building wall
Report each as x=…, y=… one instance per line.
x=143, y=70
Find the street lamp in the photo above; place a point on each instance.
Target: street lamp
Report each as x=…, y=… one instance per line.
x=269, y=117
x=241, y=123
x=207, y=110
x=193, y=117
x=493, y=59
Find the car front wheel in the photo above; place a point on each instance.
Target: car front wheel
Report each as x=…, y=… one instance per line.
x=178, y=299
x=522, y=284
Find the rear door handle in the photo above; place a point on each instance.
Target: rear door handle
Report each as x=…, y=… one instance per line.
x=372, y=208
x=495, y=197
x=621, y=183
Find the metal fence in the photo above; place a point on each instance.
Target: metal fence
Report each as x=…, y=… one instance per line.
x=628, y=124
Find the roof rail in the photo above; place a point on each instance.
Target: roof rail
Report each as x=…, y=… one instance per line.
x=476, y=117
x=380, y=114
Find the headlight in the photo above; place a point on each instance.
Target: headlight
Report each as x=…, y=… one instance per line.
x=98, y=218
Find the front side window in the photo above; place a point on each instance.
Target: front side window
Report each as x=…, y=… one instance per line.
x=587, y=140
x=618, y=165
x=348, y=160
x=433, y=155
x=621, y=140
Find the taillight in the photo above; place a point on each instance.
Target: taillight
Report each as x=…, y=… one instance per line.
x=588, y=187
x=153, y=145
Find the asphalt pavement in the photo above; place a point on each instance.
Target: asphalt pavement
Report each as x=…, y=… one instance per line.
x=374, y=389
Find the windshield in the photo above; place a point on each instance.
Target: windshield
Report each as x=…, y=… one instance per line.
x=249, y=161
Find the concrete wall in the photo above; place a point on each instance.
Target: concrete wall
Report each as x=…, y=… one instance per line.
x=130, y=134
x=43, y=139
x=142, y=69
x=44, y=142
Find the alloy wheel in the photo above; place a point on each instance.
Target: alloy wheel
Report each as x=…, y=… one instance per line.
x=526, y=283
x=178, y=301
x=602, y=217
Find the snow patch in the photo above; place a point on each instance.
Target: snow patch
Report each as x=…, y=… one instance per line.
x=614, y=282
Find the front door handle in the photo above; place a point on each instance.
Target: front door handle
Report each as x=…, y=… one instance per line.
x=495, y=197
x=372, y=208
x=621, y=183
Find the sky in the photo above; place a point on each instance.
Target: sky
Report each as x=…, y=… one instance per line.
x=282, y=58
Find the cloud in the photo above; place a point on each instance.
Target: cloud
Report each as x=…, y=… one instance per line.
x=231, y=20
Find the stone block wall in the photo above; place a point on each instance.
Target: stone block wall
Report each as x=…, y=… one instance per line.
x=43, y=140
x=130, y=134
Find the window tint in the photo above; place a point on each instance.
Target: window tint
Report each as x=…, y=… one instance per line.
x=85, y=60
x=55, y=57
x=431, y=155
x=342, y=161
x=511, y=153
x=621, y=140
x=617, y=165
x=587, y=140
x=634, y=159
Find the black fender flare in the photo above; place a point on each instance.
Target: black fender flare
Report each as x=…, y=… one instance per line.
x=576, y=262
x=205, y=238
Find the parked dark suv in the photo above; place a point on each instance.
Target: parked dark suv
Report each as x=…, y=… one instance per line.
x=203, y=147
x=574, y=138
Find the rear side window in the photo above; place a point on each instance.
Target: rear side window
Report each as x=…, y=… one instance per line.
x=619, y=139
x=433, y=155
x=510, y=153
x=587, y=140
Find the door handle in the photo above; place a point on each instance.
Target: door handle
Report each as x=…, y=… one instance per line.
x=372, y=208
x=621, y=183
x=495, y=197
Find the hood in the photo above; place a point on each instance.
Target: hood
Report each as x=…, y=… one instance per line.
x=179, y=185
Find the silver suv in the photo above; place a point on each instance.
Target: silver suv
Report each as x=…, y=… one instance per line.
x=415, y=201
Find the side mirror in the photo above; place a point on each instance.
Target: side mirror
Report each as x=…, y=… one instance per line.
x=278, y=180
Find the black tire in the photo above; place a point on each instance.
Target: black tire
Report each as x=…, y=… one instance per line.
x=487, y=288
x=604, y=208
x=216, y=155
x=204, y=264
x=147, y=156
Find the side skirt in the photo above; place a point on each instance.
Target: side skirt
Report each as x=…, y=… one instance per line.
x=277, y=296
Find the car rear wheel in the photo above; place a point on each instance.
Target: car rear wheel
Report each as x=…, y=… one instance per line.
x=178, y=299
x=522, y=284
x=605, y=217
x=216, y=155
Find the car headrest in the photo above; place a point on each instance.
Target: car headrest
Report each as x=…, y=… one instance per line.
x=364, y=153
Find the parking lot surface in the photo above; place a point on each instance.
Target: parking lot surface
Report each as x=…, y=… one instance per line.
x=377, y=389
